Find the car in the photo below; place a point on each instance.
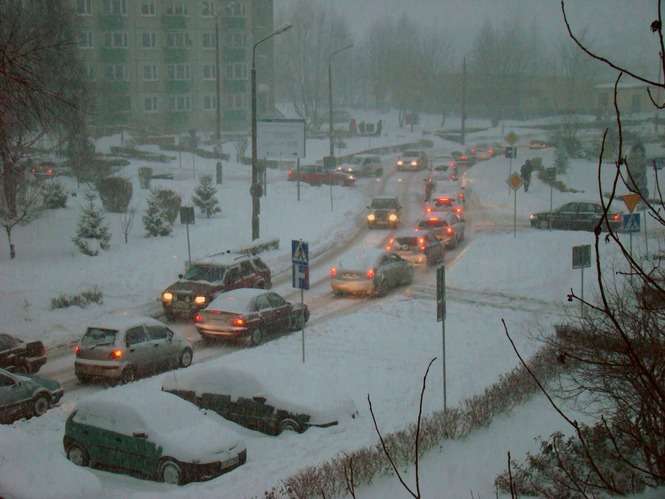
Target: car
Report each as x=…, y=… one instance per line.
x=44, y=169
x=21, y=357
x=482, y=152
x=362, y=165
x=370, y=272
x=318, y=175
x=151, y=434
x=249, y=314
x=271, y=400
x=384, y=211
x=412, y=161
x=446, y=203
x=120, y=348
x=26, y=395
x=463, y=159
x=538, y=144
x=442, y=163
x=575, y=216
x=446, y=227
x=206, y=278
x=416, y=247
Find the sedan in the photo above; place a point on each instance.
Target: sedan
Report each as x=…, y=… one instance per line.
x=446, y=203
x=318, y=175
x=575, y=216
x=121, y=348
x=152, y=434
x=249, y=314
x=416, y=247
x=446, y=227
x=369, y=272
x=20, y=357
x=26, y=395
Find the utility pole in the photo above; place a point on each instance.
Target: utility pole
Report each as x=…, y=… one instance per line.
x=219, y=87
x=463, y=101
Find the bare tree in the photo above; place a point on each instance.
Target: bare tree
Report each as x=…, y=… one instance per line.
x=126, y=223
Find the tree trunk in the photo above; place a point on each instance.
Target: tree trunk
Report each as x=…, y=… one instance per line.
x=12, y=249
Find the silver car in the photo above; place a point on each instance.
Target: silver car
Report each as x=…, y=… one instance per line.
x=121, y=348
x=370, y=272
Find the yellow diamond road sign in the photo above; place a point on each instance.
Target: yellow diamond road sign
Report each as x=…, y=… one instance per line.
x=515, y=181
x=631, y=201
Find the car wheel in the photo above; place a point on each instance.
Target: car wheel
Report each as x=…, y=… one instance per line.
x=170, y=472
x=289, y=424
x=78, y=455
x=256, y=337
x=543, y=224
x=40, y=405
x=380, y=287
x=128, y=375
x=185, y=358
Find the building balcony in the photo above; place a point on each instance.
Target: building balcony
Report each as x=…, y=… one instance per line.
x=174, y=22
x=178, y=86
x=110, y=22
x=238, y=23
x=117, y=56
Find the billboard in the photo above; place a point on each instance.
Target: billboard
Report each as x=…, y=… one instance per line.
x=280, y=138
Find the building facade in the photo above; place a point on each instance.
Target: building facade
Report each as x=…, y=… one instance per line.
x=152, y=64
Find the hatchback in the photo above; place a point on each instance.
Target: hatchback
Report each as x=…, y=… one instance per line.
x=417, y=247
x=369, y=272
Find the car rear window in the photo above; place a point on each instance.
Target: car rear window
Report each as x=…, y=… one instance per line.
x=411, y=242
x=428, y=224
x=443, y=201
x=97, y=336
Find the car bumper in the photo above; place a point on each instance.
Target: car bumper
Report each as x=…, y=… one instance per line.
x=414, y=258
x=184, y=311
x=222, y=331
x=383, y=223
x=97, y=369
x=352, y=287
x=56, y=395
x=201, y=472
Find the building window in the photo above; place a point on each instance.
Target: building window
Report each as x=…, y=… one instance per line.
x=235, y=9
x=149, y=39
x=235, y=101
x=178, y=39
x=240, y=71
x=179, y=72
x=115, y=7
x=84, y=7
x=180, y=103
x=209, y=40
x=208, y=8
x=150, y=104
x=115, y=39
x=85, y=40
x=90, y=73
x=116, y=72
x=209, y=102
x=150, y=72
x=209, y=72
x=148, y=8
x=176, y=8
x=237, y=40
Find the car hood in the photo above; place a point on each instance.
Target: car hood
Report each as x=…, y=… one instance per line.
x=383, y=210
x=193, y=287
x=47, y=383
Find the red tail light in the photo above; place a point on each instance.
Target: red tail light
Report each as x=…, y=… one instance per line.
x=458, y=210
x=451, y=164
x=464, y=156
x=616, y=217
x=433, y=219
x=77, y=350
x=198, y=318
x=449, y=230
x=116, y=354
x=370, y=274
x=333, y=272
x=239, y=322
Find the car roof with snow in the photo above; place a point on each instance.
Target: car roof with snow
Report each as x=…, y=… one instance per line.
x=221, y=259
x=122, y=322
x=237, y=300
x=360, y=258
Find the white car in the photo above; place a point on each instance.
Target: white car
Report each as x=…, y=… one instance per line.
x=363, y=165
x=369, y=271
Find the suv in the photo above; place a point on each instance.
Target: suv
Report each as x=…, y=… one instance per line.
x=384, y=211
x=412, y=161
x=363, y=165
x=205, y=279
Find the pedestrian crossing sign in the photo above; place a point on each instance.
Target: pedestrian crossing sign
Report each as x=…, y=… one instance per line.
x=299, y=252
x=631, y=222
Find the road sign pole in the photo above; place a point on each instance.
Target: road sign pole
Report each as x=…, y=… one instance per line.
x=189, y=250
x=302, y=302
x=646, y=235
x=550, y=217
x=298, y=175
x=441, y=316
x=582, y=294
x=515, y=216
x=443, y=350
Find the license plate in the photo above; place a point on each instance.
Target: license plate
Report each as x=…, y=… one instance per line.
x=230, y=462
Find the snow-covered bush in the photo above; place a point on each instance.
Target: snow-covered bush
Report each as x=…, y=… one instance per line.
x=156, y=219
x=92, y=233
x=115, y=193
x=560, y=159
x=83, y=299
x=205, y=197
x=169, y=201
x=54, y=195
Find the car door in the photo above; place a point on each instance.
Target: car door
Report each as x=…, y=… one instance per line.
x=281, y=311
x=232, y=279
x=247, y=274
x=586, y=216
x=564, y=217
x=140, y=352
x=164, y=352
x=266, y=313
x=12, y=398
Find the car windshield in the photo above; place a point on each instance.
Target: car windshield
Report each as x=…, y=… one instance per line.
x=433, y=222
x=411, y=154
x=410, y=242
x=384, y=204
x=200, y=273
x=97, y=336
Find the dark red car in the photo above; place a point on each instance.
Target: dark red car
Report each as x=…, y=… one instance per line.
x=20, y=357
x=318, y=175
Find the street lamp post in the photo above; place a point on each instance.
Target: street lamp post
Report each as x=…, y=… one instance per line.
x=330, y=113
x=254, y=189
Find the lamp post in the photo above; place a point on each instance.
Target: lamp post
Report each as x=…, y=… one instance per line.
x=254, y=189
x=330, y=113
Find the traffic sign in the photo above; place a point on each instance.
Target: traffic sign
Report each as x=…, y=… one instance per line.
x=441, y=294
x=511, y=138
x=300, y=252
x=550, y=174
x=300, y=267
x=515, y=181
x=631, y=222
x=582, y=256
x=631, y=201
x=511, y=152
x=187, y=215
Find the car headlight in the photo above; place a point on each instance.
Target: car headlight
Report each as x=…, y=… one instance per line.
x=400, y=162
x=414, y=163
x=532, y=217
x=200, y=300
x=392, y=217
x=371, y=217
x=167, y=297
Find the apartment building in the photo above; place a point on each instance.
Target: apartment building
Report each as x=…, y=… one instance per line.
x=152, y=64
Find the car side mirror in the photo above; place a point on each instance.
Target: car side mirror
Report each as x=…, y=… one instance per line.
x=140, y=434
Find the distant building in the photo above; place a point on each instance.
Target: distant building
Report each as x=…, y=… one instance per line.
x=632, y=97
x=152, y=65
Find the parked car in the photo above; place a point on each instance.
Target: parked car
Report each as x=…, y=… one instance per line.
x=205, y=279
x=20, y=357
x=362, y=165
x=384, y=212
x=259, y=399
x=446, y=203
x=446, y=227
x=156, y=436
x=26, y=395
x=249, y=314
x=44, y=169
x=575, y=216
x=416, y=247
x=119, y=348
x=369, y=272
x=538, y=144
x=318, y=175
x=412, y=161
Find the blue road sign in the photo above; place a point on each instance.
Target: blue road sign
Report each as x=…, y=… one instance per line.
x=300, y=267
x=631, y=222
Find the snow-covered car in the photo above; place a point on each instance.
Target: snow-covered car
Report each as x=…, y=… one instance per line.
x=205, y=279
x=270, y=400
x=416, y=247
x=446, y=227
x=26, y=395
x=21, y=357
x=384, y=211
x=151, y=434
x=576, y=216
x=412, y=161
x=120, y=348
x=249, y=314
x=539, y=144
x=362, y=165
x=369, y=272
x=445, y=203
